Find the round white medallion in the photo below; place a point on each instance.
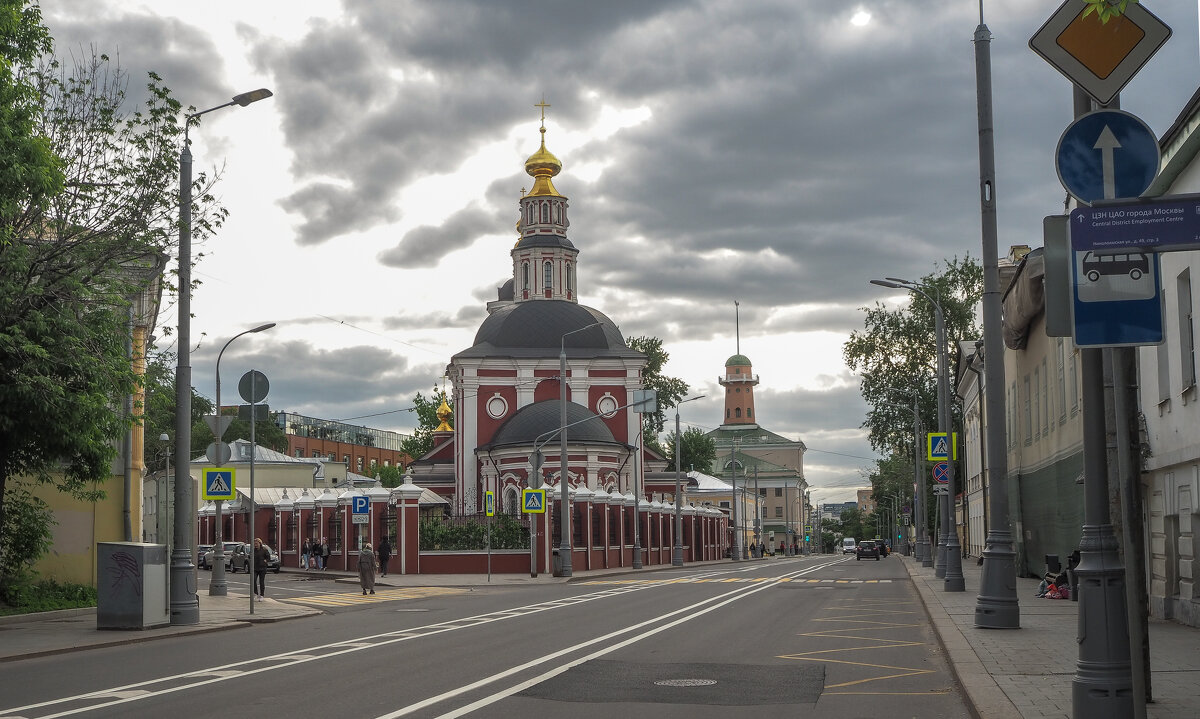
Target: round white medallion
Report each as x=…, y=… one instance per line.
x=497, y=406
x=606, y=406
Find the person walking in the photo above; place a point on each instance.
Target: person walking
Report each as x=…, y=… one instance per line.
x=385, y=553
x=261, y=556
x=324, y=553
x=305, y=550
x=366, y=568
x=314, y=555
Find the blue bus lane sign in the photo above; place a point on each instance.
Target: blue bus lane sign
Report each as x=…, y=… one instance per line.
x=1116, y=300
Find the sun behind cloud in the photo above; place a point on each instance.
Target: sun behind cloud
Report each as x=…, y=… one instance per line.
x=860, y=18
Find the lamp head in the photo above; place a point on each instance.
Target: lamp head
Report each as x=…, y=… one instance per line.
x=903, y=282
x=260, y=328
x=164, y=437
x=886, y=283
x=253, y=96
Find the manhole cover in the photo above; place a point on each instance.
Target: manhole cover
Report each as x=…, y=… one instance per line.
x=685, y=682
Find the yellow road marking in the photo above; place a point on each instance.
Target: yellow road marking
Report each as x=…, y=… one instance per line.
x=346, y=599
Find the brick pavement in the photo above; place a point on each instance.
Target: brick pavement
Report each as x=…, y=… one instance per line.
x=1027, y=672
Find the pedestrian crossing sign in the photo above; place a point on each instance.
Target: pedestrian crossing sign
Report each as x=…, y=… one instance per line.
x=533, y=501
x=219, y=483
x=939, y=448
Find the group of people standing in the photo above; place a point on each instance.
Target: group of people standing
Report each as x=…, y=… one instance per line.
x=314, y=554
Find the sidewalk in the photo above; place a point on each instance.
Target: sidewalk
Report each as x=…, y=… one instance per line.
x=45, y=633
x=1027, y=673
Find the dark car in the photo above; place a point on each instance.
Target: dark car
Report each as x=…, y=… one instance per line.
x=867, y=549
x=883, y=548
x=240, y=559
x=202, y=556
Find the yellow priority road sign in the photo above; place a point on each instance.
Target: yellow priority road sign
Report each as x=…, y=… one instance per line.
x=219, y=483
x=533, y=501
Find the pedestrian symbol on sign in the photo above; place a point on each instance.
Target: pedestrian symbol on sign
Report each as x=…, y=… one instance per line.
x=940, y=446
x=533, y=501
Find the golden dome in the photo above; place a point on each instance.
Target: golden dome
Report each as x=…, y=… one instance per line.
x=541, y=166
x=443, y=414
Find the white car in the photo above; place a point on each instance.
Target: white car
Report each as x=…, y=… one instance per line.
x=849, y=546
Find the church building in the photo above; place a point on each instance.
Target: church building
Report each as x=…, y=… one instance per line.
x=506, y=390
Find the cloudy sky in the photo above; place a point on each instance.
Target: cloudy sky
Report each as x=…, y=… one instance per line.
x=777, y=152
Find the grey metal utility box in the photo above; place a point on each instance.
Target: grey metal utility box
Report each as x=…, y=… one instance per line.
x=131, y=586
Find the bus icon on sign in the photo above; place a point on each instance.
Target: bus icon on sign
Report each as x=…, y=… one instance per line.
x=1134, y=264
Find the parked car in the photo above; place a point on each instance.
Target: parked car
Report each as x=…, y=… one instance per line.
x=867, y=549
x=202, y=551
x=227, y=548
x=241, y=558
x=848, y=545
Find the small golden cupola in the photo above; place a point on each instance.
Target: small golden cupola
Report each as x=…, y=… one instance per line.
x=543, y=165
x=543, y=258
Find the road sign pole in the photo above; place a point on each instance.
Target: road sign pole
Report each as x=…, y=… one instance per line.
x=1103, y=683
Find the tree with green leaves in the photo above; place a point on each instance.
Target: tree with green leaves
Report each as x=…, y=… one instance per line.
x=1107, y=9
x=389, y=476
x=669, y=389
x=88, y=207
x=421, y=440
x=158, y=413
x=696, y=451
x=896, y=353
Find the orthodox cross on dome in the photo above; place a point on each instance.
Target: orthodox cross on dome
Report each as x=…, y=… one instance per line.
x=543, y=105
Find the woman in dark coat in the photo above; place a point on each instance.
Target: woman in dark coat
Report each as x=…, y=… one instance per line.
x=366, y=568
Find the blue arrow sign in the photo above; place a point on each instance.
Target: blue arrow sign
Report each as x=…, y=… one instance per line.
x=360, y=504
x=1107, y=155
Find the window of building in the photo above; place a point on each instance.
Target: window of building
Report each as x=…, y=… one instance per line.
x=1036, y=401
x=317, y=452
x=373, y=463
x=359, y=462
x=569, y=283
x=762, y=492
x=1187, y=340
x=547, y=275
x=749, y=410
x=1072, y=381
x=737, y=412
x=725, y=505
x=1028, y=416
x=299, y=453
x=726, y=413
x=1046, y=423
x=545, y=212
x=1164, y=372
x=778, y=512
x=525, y=275
x=779, y=491
x=1061, y=366
x=346, y=459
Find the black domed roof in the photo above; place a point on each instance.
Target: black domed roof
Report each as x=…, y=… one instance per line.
x=534, y=420
x=536, y=328
x=505, y=291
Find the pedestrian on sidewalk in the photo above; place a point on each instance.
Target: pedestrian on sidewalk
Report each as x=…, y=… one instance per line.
x=366, y=568
x=385, y=553
x=324, y=553
x=305, y=550
x=261, y=556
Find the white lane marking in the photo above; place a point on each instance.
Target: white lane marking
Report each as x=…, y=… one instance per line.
x=553, y=672
x=289, y=659
x=727, y=597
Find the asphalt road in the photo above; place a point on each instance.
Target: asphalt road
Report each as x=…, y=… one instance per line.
x=813, y=637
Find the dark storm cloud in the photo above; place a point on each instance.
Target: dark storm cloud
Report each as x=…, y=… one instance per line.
x=427, y=244
x=186, y=59
x=332, y=384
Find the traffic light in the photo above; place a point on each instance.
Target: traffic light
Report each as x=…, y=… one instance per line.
x=806, y=538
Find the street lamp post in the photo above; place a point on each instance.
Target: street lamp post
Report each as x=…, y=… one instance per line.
x=218, y=587
x=162, y=505
x=185, y=604
x=735, y=552
x=949, y=547
x=922, y=553
x=564, y=523
x=677, y=553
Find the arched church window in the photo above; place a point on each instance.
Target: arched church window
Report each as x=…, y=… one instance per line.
x=529, y=213
x=525, y=275
x=547, y=275
x=570, y=284
x=726, y=413
x=737, y=413
x=512, y=505
x=749, y=411
x=545, y=212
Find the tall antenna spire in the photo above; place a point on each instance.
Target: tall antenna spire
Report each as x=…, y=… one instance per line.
x=737, y=331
